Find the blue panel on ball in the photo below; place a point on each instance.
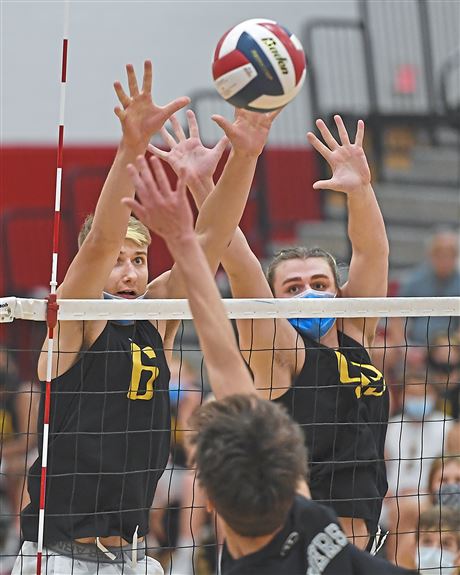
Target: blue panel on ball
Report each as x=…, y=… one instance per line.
x=267, y=79
x=247, y=95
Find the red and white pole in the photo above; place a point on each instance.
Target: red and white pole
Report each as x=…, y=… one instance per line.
x=51, y=317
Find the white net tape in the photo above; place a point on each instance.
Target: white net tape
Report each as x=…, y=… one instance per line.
x=12, y=308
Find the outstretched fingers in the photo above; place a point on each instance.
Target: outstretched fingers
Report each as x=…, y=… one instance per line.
x=192, y=124
x=223, y=123
x=359, y=133
x=175, y=106
x=167, y=138
x=324, y=185
x=319, y=146
x=327, y=136
x=147, y=186
x=158, y=152
x=132, y=81
x=163, y=185
x=147, y=80
x=119, y=113
x=177, y=127
x=122, y=96
x=136, y=206
x=137, y=209
x=345, y=140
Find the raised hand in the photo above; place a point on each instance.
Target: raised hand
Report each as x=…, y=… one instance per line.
x=163, y=210
x=140, y=117
x=189, y=156
x=348, y=162
x=249, y=132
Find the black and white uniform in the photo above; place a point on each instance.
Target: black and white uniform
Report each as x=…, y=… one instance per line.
x=108, y=441
x=341, y=402
x=310, y=543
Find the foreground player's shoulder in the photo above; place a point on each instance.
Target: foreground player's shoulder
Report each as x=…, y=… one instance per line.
x=363, y=564
x=328, y=550
x=323, y=536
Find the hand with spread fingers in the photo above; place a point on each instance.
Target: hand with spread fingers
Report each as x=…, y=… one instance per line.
x=188, y=155
x=249, y=131
x=348, y=162
x=163, y=210
x=140, y=117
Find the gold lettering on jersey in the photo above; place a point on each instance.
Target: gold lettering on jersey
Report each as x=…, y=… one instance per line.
x=369, y=381
x=138, y=369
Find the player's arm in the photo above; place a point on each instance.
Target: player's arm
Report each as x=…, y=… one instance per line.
x=222, y=210
x=140, y=118
x=197, y=164
x=368, y=274
x=167, y=213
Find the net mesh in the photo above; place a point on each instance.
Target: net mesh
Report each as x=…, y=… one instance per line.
x=109, y=442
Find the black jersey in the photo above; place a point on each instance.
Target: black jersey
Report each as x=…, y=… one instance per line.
x=108, y=439
x=341, y=402
x=310, y=543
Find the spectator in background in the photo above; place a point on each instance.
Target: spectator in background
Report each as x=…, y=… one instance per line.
x=415, y=437
x=18, y=438
x=453, y=439
x=438, y=276
x=444, y=372
x=404, y=513
x=438, y=542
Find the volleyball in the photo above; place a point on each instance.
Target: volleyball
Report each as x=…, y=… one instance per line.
x=259, y=65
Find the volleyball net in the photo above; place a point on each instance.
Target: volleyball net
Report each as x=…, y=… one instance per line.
x=418, y=374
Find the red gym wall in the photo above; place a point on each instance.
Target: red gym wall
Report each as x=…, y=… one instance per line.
x=27, y=188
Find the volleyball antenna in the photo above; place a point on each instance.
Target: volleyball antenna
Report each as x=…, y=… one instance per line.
x=52, y=307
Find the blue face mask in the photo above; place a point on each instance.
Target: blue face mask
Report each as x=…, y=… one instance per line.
x=117, y=297
x=418, y=408
x=314, y=327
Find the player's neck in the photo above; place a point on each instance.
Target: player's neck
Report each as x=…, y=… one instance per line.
x=239, y=546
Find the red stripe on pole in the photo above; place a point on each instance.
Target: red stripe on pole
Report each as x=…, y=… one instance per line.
x=57, y=222
x=46, y=414
x=42, y=488
x=39, y=562
x=64, y=61
x=60, y=145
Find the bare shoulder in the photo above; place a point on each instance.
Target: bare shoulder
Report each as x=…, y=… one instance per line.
x=362, y=330
x=70, y=339
x=158, y=288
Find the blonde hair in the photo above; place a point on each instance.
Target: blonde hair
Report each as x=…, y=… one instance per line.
x=136, y=231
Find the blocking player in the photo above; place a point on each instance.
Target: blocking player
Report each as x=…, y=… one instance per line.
x=110, y=418
x=319, y=369
x=250, y=454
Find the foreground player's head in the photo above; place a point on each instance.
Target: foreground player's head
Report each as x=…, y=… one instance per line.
x=129, y=276
x=250, y=456
x=295, y=270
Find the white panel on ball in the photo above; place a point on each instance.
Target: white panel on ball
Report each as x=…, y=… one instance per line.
x=231, y=83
